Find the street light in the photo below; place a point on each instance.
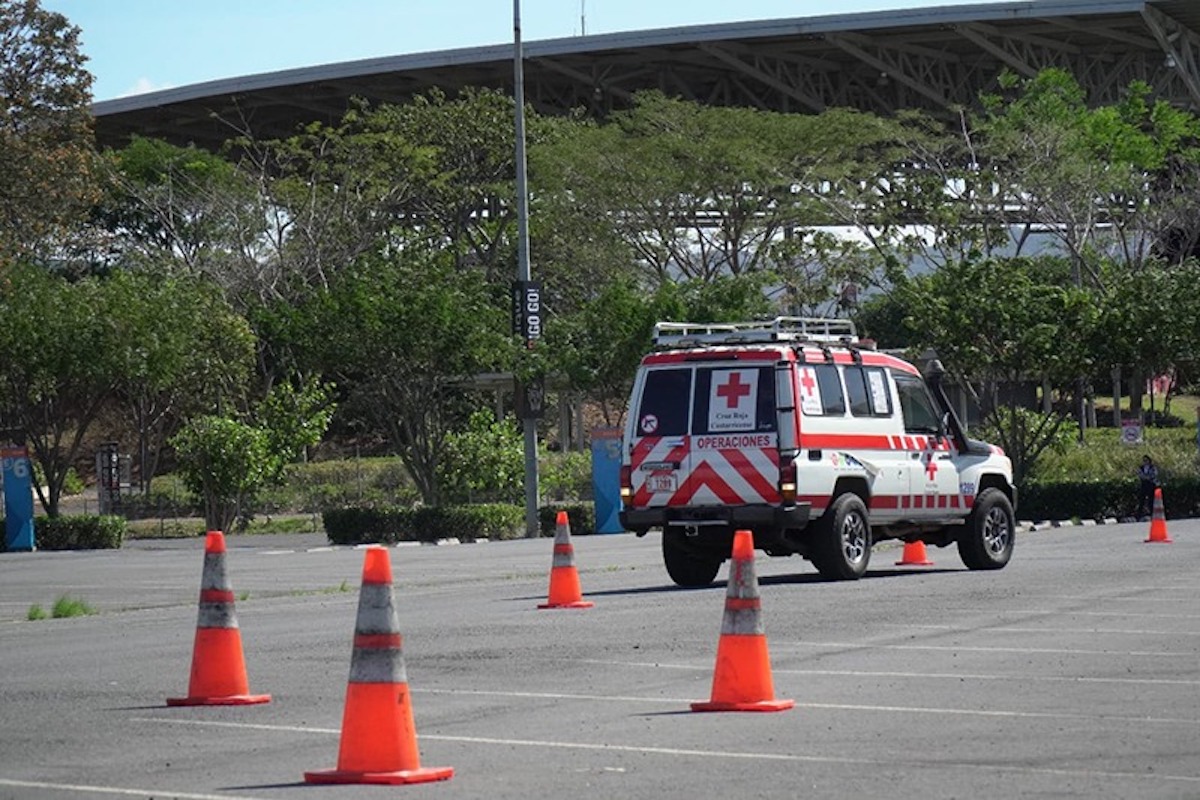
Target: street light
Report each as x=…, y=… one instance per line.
x=529, y=422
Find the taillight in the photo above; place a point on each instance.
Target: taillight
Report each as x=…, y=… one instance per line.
x=787, y=482
x=626, y=485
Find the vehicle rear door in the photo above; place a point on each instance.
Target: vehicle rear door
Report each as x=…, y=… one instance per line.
x=659, y=455
x=734, y=447
x=705, y=435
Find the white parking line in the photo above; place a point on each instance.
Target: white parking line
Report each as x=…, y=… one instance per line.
x=1057, y=651
x=1056, y=631
x=851, y=673
x=714, y=754
x=117, y=790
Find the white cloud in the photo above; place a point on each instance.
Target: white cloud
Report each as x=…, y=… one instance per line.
x=144, y=86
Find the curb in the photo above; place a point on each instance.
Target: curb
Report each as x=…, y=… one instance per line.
x=1028, y=526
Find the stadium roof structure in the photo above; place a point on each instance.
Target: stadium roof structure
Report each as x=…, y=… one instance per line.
x=930, y=58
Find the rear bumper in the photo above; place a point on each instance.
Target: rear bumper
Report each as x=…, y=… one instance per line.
x=749, y=517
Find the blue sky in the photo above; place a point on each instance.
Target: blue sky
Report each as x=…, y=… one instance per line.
x=142, y=45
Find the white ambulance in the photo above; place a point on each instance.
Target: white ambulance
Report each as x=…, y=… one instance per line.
x=795, y=429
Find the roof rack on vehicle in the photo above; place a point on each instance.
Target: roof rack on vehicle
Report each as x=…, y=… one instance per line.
x=683, y=335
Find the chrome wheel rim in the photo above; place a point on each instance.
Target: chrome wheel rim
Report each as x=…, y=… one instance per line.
x=854, y=538
x=996, y=531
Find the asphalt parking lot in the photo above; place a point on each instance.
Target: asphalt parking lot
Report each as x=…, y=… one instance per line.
x=1074, y=672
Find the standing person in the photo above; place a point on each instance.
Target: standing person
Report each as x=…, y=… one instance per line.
x=1148, y=479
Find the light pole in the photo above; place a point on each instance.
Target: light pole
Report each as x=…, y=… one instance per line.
x=529, y=422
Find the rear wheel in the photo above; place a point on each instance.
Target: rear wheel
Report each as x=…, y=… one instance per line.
x=842, y=548
x=986, y=540
x=686, y=565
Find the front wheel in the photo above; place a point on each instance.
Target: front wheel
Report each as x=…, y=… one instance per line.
x=685, y=565
x=986, y=540
x=843, y=540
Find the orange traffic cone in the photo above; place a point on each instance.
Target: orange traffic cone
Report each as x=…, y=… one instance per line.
x=742, y=679
x=218, y=665
x=1158, y=521
x=914, y=555
x=564, y=579
x=379, y=741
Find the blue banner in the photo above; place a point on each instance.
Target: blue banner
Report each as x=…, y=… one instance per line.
x=18, y=498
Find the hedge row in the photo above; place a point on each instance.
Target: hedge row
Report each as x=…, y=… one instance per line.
x=467, y=523
x=82, y=532
x=1103, y=499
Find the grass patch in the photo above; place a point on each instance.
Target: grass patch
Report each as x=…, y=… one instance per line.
x=64, y=606
x=67, y=606
x=191, y=527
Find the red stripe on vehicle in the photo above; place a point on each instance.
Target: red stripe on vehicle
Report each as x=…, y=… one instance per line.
x=758, y=482
x=705, y=475
x=840, y=441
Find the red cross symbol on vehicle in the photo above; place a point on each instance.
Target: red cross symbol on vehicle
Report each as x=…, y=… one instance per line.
x=931, y=467
x=733, y=391
x=807, y=382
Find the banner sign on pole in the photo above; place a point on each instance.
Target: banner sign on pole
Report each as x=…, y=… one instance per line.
x=527, y=311
x=18, y=498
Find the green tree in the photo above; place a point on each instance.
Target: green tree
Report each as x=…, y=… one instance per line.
x=403, y=334
x=63, y=360
x=466, y=203
x=47, y=158
x=183, y=352
x=227, y=461
x=694, y=191
x=998, y=324
x=1108, y=185
x=180, y=210
x=598, y=348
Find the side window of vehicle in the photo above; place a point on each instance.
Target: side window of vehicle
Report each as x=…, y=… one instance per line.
x=820, y=390
x=920, y=413
x=666, y=399
x=737, y=399
x=867, y=390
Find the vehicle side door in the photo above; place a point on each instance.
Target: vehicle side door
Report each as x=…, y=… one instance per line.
x=935, y=485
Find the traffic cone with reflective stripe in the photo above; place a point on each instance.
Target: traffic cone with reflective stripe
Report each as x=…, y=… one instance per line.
x=564, y=578
x=742, y=678
x=218, y=664
x=379, y=741
x=914, y=555
x=1158, y=522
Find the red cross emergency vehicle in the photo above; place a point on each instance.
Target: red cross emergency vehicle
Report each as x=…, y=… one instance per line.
x=821, y=445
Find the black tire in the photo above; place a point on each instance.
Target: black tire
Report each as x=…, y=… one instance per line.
x=685, y=565
x=842, y=548
x=986, y=540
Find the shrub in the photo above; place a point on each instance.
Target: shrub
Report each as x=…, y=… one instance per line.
x=390, y=524
x=582, y=517
x=566, y=475
x=363, y=525
x=1099, y=499
x=84, y=532
x=468, y=523
x=314, y=486
x=484, y=462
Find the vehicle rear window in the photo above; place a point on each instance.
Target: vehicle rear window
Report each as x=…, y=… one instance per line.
x=666, y=398
x=734, y=399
